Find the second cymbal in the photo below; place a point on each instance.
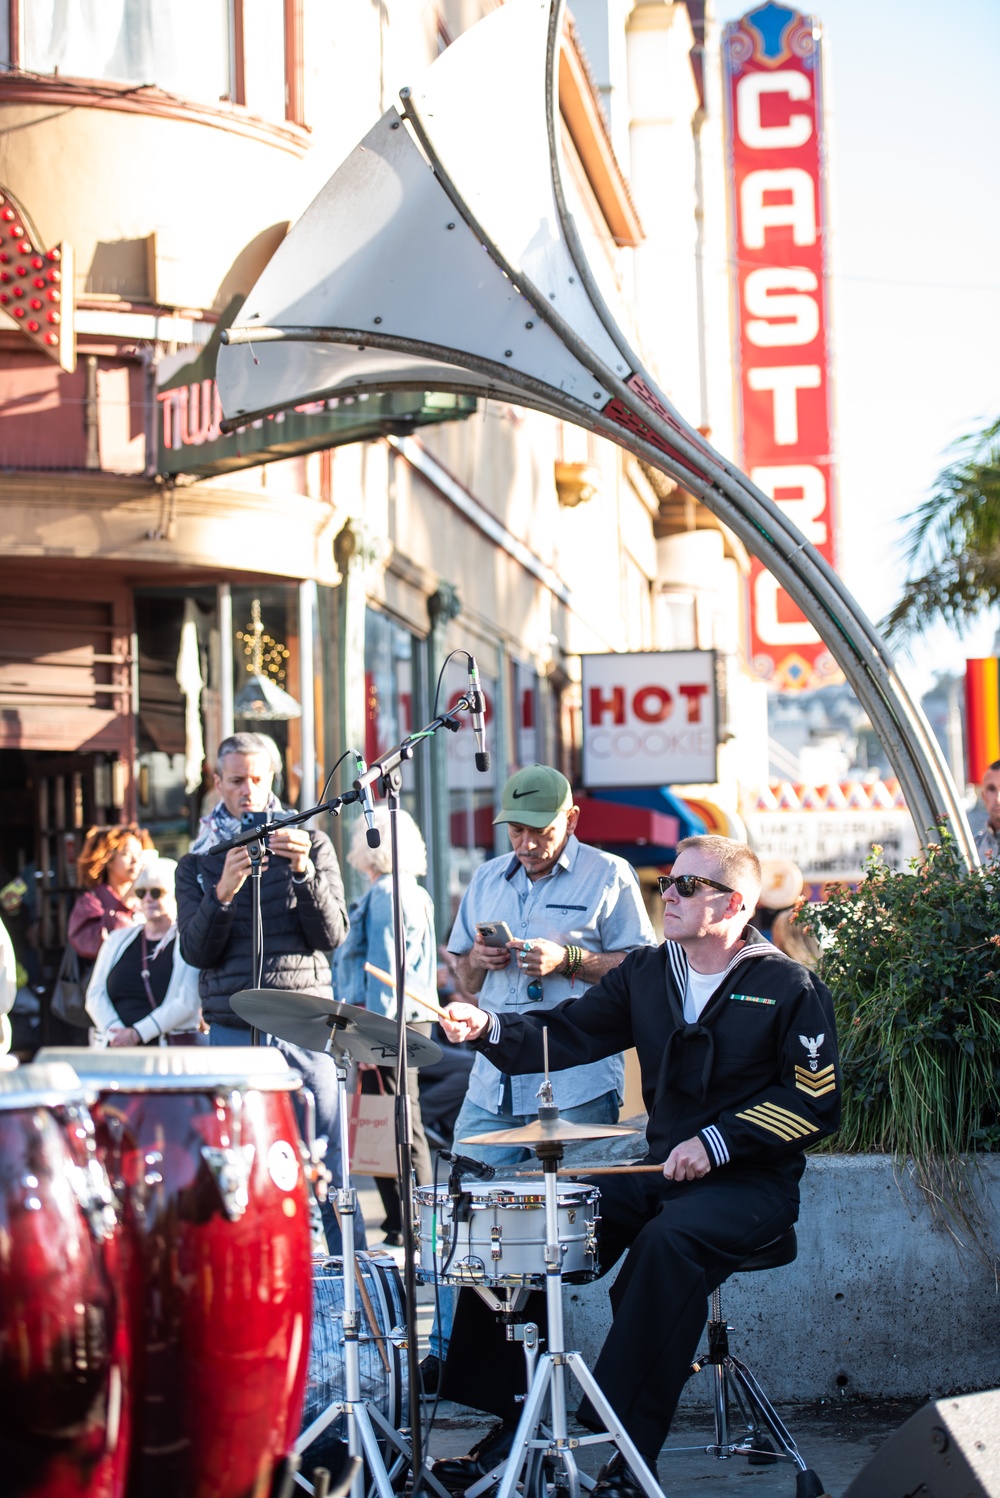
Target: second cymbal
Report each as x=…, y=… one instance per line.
x=545, y=1131
x=308, y=1019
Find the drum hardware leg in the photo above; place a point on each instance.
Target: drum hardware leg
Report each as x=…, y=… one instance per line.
x=549, y=1381
x=362, y=1416
x=283, y=1477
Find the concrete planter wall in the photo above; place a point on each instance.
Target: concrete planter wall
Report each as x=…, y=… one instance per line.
x=879, y=1302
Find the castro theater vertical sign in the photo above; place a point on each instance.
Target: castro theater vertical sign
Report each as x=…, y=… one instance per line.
x=776, y=155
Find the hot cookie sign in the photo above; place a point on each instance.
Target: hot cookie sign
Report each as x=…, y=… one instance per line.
x=776, y=154
x=649, y=718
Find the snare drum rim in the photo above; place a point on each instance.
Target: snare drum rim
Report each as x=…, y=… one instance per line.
x=509, y=1196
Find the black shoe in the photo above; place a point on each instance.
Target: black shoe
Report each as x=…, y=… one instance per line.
x=392, y=1240
x=430, y=1373
x=617, y=1480
x=458, y=1472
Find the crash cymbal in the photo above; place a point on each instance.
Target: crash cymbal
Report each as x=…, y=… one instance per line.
x=309, y=1019
x=545, y=1131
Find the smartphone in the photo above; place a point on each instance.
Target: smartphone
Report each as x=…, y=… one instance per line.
x=251, y=819
x=494, y=933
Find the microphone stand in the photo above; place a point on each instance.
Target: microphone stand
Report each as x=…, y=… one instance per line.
x=255, y=842
x=388, y=774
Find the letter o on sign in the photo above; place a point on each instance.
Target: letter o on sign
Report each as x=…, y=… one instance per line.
x=652, y=704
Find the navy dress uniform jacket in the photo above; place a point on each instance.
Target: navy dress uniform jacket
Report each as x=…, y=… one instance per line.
x=756, y=1078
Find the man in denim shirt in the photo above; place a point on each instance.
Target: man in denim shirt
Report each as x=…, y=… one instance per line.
x=574, y=913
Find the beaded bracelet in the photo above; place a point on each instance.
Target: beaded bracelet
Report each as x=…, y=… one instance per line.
x=573, y=963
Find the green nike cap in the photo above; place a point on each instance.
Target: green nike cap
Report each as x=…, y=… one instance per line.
x=535, y=796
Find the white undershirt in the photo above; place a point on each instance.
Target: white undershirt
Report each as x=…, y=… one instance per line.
x=700, y=988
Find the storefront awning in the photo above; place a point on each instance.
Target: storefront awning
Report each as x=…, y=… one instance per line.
x=189, y=439
x=641, y=824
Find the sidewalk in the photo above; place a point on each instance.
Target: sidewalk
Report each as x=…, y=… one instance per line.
x=836, y=1439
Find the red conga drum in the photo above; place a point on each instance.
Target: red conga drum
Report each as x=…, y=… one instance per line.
x=63, y=1348
x=204, y=1154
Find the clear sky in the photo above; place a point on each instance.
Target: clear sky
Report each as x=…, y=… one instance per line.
x=914, y=124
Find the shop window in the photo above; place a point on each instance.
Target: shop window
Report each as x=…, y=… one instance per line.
x=131, y=41
x=471, y=793
x=525, y=705
x=266, y=677
x=390, y=709
x=177, y=726
x=246, y=51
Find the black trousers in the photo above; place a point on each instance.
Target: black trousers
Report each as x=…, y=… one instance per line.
x=682, y=1239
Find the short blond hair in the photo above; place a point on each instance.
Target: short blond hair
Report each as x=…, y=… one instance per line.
x=735, y=863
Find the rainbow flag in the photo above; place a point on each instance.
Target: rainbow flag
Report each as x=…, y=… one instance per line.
x=982, y=715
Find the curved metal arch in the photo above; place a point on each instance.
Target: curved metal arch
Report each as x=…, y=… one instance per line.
x=445, y=118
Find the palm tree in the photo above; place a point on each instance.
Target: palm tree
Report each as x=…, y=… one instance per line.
x=953, y=549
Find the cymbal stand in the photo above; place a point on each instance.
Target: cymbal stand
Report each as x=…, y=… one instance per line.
x=362, y=1415
x=549, y=1382
x=361, y=1438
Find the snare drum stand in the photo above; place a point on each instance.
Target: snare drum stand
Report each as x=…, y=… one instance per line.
x=550, y=1369
x=362, y=1414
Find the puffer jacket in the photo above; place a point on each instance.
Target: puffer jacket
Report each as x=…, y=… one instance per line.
x=302, y=924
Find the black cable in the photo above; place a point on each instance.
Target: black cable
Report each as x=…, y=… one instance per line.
x=326, y=784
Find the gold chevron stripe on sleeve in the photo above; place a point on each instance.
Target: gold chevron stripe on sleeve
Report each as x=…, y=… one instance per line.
x=780, y=1121
x=815, y=1083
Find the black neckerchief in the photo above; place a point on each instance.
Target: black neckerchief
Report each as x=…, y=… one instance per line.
x=690, y=1052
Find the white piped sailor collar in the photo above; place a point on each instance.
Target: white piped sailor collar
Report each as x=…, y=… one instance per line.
x=755, y=946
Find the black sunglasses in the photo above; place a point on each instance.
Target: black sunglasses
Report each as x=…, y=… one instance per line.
x=687, y=885
x=141, y=891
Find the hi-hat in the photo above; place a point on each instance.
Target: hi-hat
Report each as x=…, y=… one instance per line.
x=309, y=1020
x=546, y=1131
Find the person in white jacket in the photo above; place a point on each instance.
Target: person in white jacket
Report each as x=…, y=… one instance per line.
x=141, y=988
x=8, y=986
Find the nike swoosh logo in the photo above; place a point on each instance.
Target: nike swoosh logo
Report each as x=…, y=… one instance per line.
x=518, y=794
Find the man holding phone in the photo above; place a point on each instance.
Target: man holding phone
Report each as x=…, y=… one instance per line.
x=532, y=930
x=303, y=918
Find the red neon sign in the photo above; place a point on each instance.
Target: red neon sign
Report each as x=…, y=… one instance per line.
x=779, y=233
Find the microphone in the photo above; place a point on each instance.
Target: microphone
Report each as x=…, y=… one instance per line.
x=468, y=1167
x=477, y=703
x=372, y=836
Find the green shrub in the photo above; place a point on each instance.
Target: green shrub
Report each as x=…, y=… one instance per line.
x=913, y=964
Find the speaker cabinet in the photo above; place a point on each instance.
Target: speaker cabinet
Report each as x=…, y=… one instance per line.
x=949, y=1449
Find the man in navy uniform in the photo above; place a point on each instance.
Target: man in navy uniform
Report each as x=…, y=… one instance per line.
x=738, y=1055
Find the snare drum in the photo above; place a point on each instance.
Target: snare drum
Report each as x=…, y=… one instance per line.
x=503, y=1240
x=203, y=1151
x=63, y=1332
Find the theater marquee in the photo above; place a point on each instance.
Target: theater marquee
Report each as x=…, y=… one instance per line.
x=779, y=230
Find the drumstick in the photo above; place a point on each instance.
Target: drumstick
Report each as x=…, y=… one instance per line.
x=588, y=1170
x=390, y=982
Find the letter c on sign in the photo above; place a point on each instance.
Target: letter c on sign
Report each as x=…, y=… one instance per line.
x=753, y=132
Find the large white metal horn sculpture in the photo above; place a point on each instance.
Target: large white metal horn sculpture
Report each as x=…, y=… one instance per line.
x=441, y=256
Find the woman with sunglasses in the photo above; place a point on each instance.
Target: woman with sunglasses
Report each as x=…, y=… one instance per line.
x=142, y=992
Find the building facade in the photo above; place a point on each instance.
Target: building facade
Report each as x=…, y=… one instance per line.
x=313, y=575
